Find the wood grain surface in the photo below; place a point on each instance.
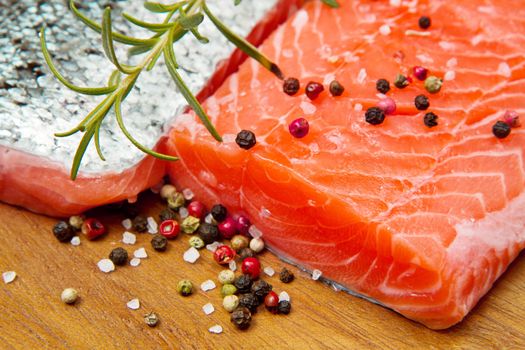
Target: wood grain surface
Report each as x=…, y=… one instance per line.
x=33, y=317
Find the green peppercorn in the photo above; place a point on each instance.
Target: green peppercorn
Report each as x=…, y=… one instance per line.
x=185, y=288
x=159, y=243
x=433, y=84
x=151, y=319
x=260, y=288
x=208, y=232
x=228, y=289
x=226, y=276
x=196, y=242
x=243, y=283
x=140, y=224
x=239, y=242
x=167, y=214
x=119, y=256
x=241, y=317
x=286, y=276
x=230, y=302
x=190, y=224
x=176, y=200
x=63, y=231
x=249, y=301
x=284, y=307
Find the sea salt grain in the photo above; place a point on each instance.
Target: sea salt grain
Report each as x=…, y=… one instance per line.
x=385, y=29
x=215, y=329
x=134, y=262
x=8, y=276
x=361, y=76
x=232, y=265
x=133, y=304
x=183, y=213
x=316, y=274
x=208, y=285
x=208, y=309
x=188, y=194
x=127, y=224
x=191, y=255
x=255, y=232
x=129, y=238
x=140, y=253
x=75, y=241
x=212, y=247
x=106, y=265
x=269, y=271
x=504, y=69
x=209, y=219
x=284, y=296
x=153, y=227
x=450, y=75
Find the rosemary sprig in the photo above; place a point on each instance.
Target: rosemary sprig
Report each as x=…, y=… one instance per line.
x=181, y=17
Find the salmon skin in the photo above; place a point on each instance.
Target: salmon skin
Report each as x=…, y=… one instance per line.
x=421, y=220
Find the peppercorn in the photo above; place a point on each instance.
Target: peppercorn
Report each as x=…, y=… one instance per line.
x=196, y=209
x=424, y=22
x=246, y=253
x=242, y=224
x=291, y=86
x=230, y=302
x=69, y=295
x=76, y=222
x=243, y=283
x=208, y=232
x=224, y=254
x=252, y=267
x=93, y=228
x=420, y=72
x=228, y=289
x=167, y=191
x=299, y=128
x=63, y=231
x=167, y=214
x=421, y=102
x=245, y=139
x=271, y=302
x=151, y=319
x=239, y=242
x=176, y=200
x=512, y=118
x=219, y=212
x=387, y=105
x=185, y=288
x=169, y=228
x=501, y=129
x=227, y=228
x=313, y=90
x=257, y=245
x=286, y=276
x=196, y=242
x=190, y=224
x=249, y=301
x=284, y=307
x=430, y=119
x=374, y=115
x=119, y=256
x=226, y=276
x=159, y=243
x=241, y=317
x=383, y=86
x=140, y=224
x=401, y=81
x=336, y=89
x=261, y=288
x=433, y=84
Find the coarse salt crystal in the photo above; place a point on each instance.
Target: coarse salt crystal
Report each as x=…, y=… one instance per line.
x=232, y=265
x=504, y=69
x=212, y=247
x=134, y=262
x=447, y=46
x=328, y=78
x=316, y=274
x=307, y=107
x=183, y=213
x=450, y=75
x=215, y=329
x=425, y=58
x=264, y=213
x=209, y=219
x=188, y=194
x=8, y=276
x=269, y=271
x=191, y=255
x=284, y=296
x=451, y=63
x=133, y=304
x=153, y=227
x=477, y=39
x=208, y=309
x=361, y=76
x=395, y=3
x=385, y=29
x=106, y=265
x=140, y=253
x=358, y=107
x=75, y=241
x=255, y=232
x=129, y=238
x=207, y=285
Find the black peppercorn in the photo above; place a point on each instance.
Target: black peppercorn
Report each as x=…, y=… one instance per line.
x=286, y=276
x=430, y=119
x=140, y=224
x=159, y=243
x=241, y=317
x=243, y=283
x=501, y=129
x=383, y=86
x=374, y=115
x=336, y=89
x=421, y=102
x=63, y=231
x=119, y=256
x=167, y=214
x=260, y=288
x=219, y=212
x=284, y=307
x=246, y=253
x=424, y=22
x=401, y=81
x=249, y=301
x=291, y=86
x=208, y=233
x=246, y=139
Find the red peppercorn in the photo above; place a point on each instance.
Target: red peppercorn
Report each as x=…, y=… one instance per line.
x=251, y=266
x=169, y=228
x=299, y=128
x=313, y=90
x=93, y=228
x=271, y=302
x=228, y=228
x=224, y=254
x=242, y=223
x=196, y=209
x=420, y=73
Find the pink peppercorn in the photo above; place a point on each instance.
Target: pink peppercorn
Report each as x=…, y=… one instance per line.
x=196, y=209
x=388, y=105
x=271, y=302
x=420, y=73
x=313, y=90
x=251, y=266
x=512, y=118
x=169, y=228
x=228, y=228
x=224, y=254
x=242, y=224
x=93, y=228
x=299, y=128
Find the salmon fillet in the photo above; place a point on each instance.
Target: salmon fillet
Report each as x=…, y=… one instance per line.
x=421, y=220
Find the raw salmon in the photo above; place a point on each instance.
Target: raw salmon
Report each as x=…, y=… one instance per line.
x=421, y=220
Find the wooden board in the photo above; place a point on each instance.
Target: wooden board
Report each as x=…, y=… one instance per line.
x=34, y=317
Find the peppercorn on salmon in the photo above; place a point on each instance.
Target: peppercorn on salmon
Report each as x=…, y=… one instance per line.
x=420, y=219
